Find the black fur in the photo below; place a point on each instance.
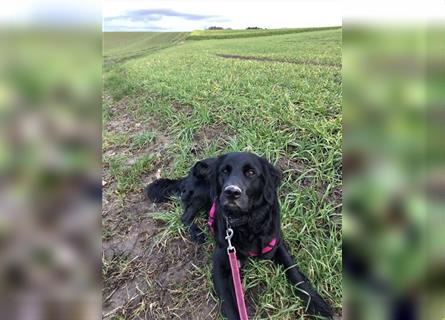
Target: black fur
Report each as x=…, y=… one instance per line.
x=194, y=191
x=162, y=189
x=244, y=187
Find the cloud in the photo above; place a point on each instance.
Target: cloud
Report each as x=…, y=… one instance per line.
x=158, y=14
x=160, y=20
x=125, y=27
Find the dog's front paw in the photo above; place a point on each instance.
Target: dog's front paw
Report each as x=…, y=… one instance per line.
x=196, y=234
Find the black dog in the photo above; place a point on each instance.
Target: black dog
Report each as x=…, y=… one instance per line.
x=241, y=190
x=194, y=191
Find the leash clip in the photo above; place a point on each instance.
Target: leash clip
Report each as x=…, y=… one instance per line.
x=229, y=235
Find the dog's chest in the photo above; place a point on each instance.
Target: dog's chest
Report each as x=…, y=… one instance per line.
x=247, y=242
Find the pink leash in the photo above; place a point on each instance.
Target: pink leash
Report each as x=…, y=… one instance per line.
x=231, y=252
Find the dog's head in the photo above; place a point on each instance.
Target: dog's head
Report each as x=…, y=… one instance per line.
x=200, y=175
x=245, y=181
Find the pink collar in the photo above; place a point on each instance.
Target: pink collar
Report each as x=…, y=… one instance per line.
x=211, y=219
x=266, y=249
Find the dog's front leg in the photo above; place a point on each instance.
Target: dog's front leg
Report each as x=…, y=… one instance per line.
x=196, y=234
x=223, y=283
x=314, y=302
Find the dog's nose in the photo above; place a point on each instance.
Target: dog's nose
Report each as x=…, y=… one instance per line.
x=232, y=192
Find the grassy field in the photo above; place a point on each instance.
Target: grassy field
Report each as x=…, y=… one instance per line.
x=278, y=96
x=227, y=34
x=121, y=46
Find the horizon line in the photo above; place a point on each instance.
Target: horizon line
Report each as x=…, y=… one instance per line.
x=337, y=26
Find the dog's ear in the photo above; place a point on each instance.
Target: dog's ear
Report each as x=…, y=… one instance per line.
x=202, y=170
x=272, y=178
x=215, y=188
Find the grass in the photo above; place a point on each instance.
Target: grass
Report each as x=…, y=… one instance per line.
x=127, y=173
x=142, y=139
x=286, y=108
x=122, y=46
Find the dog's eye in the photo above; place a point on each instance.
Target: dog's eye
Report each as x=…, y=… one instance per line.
x=250, y=173
x=225, y=170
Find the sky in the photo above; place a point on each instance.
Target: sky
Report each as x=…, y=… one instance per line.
x=188, y=15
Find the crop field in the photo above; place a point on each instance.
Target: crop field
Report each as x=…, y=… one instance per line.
x=120, y=46
x=278, y=96
x=248, y=33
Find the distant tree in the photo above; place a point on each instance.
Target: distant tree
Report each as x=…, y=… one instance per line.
x=215, y=28
x=249, y=28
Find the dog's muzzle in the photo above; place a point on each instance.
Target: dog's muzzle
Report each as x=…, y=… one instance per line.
x=232, y=192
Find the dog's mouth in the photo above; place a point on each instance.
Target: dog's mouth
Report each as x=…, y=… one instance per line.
x=234, y=212
x=231, y=206
x=238, y=221
x=234, y=205
x=235, y=217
